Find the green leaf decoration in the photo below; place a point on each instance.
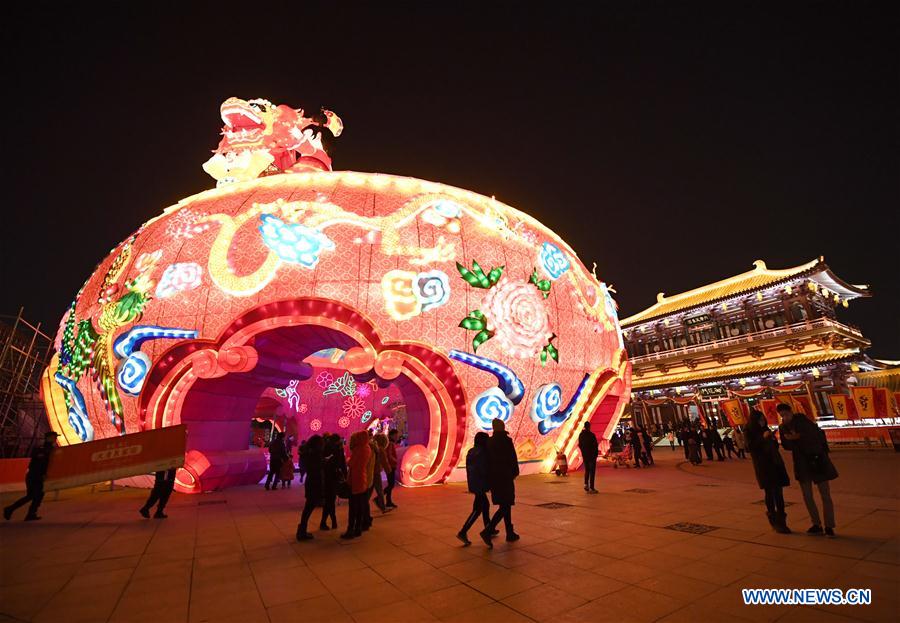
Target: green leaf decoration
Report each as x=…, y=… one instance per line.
x=544, y=356
x=472, y=324
x=554, y=353
x=477, y=278
x=483, y=281
x=480, y=338
x=476, y=313
x=541, y=284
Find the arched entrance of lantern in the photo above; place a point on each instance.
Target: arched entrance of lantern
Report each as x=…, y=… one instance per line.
x=215, y=388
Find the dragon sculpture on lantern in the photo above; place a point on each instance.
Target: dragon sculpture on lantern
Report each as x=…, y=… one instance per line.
x=260, y=138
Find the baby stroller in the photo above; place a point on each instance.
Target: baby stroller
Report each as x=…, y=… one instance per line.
x=620, y=458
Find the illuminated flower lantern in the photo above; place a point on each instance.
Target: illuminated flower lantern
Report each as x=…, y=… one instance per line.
x=453, y=305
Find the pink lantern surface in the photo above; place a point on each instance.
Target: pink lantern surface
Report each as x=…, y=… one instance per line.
x=460, y=307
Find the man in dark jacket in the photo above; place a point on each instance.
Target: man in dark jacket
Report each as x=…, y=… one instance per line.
x=808, y=445
x=277, y=455
x=718, y=444
x=587, y=443
x=34, y=479
x=503, y=468
x=707, y=440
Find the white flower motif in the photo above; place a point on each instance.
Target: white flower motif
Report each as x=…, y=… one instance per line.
x=432, y=288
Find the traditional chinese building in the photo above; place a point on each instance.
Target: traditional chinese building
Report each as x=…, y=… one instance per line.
x=773, y=331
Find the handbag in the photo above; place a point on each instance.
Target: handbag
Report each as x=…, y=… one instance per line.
x=343, y=489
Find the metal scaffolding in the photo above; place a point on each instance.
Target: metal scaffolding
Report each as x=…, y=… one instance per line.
x=25, y=352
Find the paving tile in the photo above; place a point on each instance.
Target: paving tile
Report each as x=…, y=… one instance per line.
x=502, y=584
x=370, y=596
x=452, y=600
x=631, y=603
x=407, y=610
x=321, y=609
x=543, y=603
x=491, y=613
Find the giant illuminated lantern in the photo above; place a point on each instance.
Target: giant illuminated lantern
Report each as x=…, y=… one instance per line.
x=373, y=290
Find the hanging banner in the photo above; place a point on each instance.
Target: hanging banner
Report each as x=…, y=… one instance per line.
x=685, y=400
x=881, y=402
x=802, y=404
x=770, y=410
x=843, y=407
x=748, y=393
x=864, y=399
x=787, y=389
x=733, y=411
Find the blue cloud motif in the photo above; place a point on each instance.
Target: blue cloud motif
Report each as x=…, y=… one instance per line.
x=546, y=403
x=132, y=373
x=447, y=209
x=489, y=405
x=296, y=243
x=553, y=261
x=78, y=415
x=545, y=406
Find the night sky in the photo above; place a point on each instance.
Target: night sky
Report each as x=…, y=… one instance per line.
x=672, y=143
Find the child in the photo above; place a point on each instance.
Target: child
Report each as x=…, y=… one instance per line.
x=561, y=467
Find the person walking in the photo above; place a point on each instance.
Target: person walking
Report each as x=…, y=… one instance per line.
x=477, y=481
x=771, y=474
x=671, y=437
x=729, y=445
x=277, y=455
x=590, y=450
x=647, y=443
x=34, y=479
x=360, y=455
x=740, y=443
x=683, y=436
x=707, y=441
x=163, y=484
x=694, y=453
x=809, y=447
x=718, y=444
x=634, y=439
x=370, y=481
x=313, y=488
x=380, y=442
x=503, y=468
x=334, y=472
x=391, y=453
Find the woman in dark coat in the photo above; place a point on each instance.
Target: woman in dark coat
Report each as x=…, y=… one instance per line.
x=313, y=487
x=334, y=470
x=503, y=468
x=477, y=479
x=769, y=467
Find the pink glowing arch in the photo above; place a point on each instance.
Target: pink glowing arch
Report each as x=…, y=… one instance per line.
x=185, y=386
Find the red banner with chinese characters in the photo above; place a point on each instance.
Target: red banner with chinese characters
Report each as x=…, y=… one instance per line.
x=864, y=398
x=733, y=411
x=843, y=407
x=770, y=410
x=116, y=457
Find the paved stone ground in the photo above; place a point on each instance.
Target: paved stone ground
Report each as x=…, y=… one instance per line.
x=231, y=556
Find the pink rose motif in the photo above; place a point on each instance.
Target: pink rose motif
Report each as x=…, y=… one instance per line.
x=179, y=278
x=517, y=315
